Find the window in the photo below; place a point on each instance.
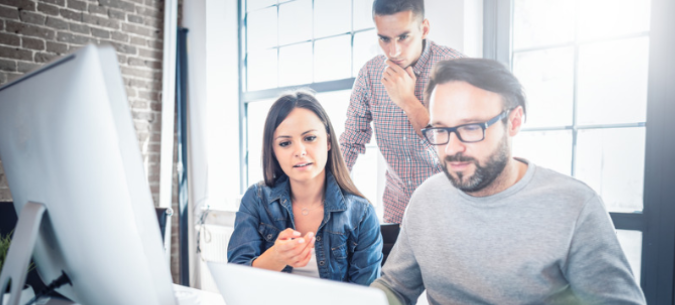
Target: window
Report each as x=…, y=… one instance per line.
x=587, y=111
x=588, y=71
x=319, y=44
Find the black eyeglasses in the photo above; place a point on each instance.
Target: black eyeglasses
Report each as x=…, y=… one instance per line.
x=467, y=133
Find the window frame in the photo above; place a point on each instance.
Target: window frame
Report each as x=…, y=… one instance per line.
x=655, y=221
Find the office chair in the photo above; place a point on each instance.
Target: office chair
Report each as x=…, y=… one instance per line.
x=389, y=233
x=8, y=220
x=164, y=219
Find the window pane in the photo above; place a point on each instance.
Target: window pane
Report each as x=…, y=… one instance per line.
x=365, y=174
x=631, y=244
x=548, y=79
x=365, y=48
x=611, y=161
x=612, y=84
x=295, y=21
x=332, y=58
x=606, y=18
x=295, y=65
x=252, y=5
x=336, y=103
x=262, y=70
x=368, y=172
x=261, y=28
x=540, y=23
x=257, y=113
x=550, y=149
x=332, y=17
x=363, y=14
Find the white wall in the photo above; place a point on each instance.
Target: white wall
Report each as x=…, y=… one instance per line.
x=457, y=24
x=213, y=98
x=223, y=101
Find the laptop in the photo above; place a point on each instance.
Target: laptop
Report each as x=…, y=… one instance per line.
x=244, y=285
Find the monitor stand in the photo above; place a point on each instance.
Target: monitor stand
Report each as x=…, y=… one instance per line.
x=21, y=251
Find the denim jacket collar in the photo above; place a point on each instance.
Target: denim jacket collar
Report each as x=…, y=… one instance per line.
x=334, y=199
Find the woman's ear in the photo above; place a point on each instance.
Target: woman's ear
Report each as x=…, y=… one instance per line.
x=328, y=138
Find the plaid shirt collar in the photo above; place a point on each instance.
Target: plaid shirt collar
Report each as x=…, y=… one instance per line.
x=424, y=58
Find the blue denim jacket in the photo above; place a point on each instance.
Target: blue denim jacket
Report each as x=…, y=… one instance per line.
x=348, y=242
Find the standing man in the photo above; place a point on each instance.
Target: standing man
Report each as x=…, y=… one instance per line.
x=388, y=92
x=493, y=229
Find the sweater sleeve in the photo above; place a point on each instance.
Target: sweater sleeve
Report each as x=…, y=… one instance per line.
x=401, y=274
x=596, y=267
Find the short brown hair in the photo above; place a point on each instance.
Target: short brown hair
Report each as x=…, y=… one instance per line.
x=486, y=74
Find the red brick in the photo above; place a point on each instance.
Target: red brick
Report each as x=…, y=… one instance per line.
x=25, y=67
x=77, y=5
x=10, y=39
x=135, y=18
x=44, y=57
x=57, y=2
x=113, y=13
x=55, y=47
x=56, y=23
x=97, y=9
x=32, y=17
x=79, y=28
x=129, y=7
x=101, y=21
x=15, y=53
x=29, y=30
x=32, y=43
x=8, y=66
x=70, y=14
x=48, y=9
x=9, y=12
x=100, y=33
x=72, y=38
x=5, y=195
x=22, y=4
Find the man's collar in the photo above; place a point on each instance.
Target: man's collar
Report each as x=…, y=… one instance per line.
x=424, y=58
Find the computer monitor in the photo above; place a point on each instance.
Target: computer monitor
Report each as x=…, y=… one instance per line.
x=67, y=141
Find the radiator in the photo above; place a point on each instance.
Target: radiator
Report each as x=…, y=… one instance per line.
x=213, y=241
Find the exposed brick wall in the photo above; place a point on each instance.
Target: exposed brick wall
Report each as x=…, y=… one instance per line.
x=34, y=32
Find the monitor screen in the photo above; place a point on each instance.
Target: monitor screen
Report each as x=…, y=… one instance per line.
x=67, y=141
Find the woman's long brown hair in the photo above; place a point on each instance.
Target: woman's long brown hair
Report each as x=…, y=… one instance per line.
x=277, y=114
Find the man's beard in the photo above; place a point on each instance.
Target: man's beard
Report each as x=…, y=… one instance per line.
x=483, y=175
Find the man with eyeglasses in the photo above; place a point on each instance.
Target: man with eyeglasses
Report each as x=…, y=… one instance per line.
x=494, y=229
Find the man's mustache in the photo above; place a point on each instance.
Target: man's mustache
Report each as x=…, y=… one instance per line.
x=458, y=158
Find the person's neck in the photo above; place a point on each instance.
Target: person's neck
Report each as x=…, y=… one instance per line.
x=512, y=173
x=424, y=45
x=308, y=192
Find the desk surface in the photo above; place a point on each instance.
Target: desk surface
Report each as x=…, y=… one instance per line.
x=184, y=296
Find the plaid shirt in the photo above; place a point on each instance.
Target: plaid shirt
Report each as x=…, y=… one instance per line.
x=410, y=159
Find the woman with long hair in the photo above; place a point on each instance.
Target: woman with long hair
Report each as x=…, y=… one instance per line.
x=306, y=217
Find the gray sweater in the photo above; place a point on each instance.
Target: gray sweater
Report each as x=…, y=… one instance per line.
x=546, y=240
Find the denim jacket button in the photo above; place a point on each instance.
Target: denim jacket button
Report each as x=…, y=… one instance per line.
x=269, y=236
x=321, y=263
x=318, y=238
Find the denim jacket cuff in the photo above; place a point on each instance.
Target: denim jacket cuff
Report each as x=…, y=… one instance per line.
x=250, y=262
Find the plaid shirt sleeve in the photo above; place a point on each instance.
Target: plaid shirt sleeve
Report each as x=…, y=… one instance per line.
x=357, y=128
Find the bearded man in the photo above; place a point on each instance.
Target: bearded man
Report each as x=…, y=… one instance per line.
x=494, y=229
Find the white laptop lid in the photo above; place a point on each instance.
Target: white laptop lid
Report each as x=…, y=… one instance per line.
x=243, y=285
